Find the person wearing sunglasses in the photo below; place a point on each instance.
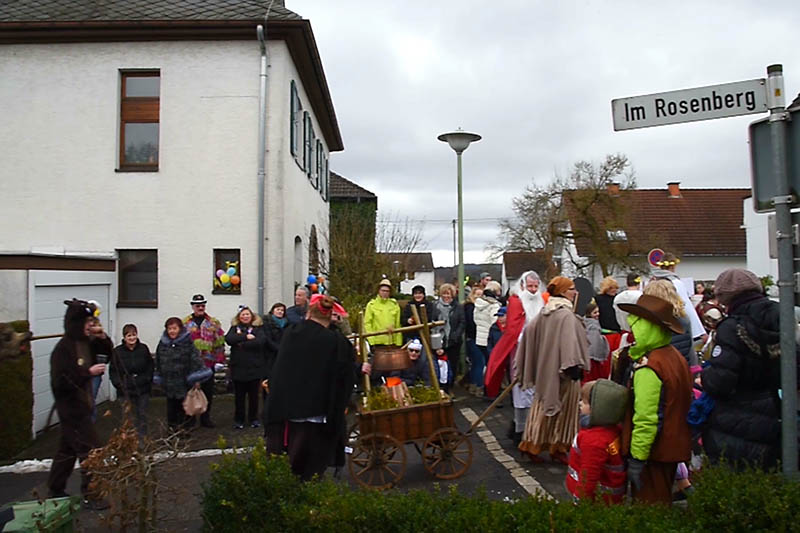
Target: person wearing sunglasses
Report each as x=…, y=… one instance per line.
x=418, y=371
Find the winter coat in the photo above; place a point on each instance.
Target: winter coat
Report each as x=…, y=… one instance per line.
x=131, y=371
x=418, y=371
x=683, y=341
x=208, y=338
x=379, y=315
x=743, y=379
x=175, y=360
x=469, y=320
x=272, y=342
x=495, y=333
x=595, y=466
x=608, y=317
x=247, y=359
x=406, y=314
x=296, y=314
x=485, y=309
x=456, y=325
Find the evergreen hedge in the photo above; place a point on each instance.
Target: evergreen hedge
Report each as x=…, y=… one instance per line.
x=16, y=397
x=257, y=493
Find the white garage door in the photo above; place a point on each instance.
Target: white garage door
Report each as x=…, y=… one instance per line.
x=47, y=292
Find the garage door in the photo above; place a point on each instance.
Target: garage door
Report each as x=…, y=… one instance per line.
x=47, y=292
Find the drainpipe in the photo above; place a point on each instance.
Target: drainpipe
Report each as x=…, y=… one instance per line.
x=262, y=162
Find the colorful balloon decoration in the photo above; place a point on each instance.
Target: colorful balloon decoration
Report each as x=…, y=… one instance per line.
x=231, y=271
x=220, y=272
x=311, y=279
x=235, y=280
x=314, y=287
x=228, y=277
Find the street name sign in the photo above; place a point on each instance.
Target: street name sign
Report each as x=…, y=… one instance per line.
x=690, y=105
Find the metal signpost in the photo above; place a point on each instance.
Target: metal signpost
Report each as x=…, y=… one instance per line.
x=770, y=177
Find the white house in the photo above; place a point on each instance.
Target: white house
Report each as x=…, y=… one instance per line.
x=133, y=150
x=414, y=268
x=703, y=227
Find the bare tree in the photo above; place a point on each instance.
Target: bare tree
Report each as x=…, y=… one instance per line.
x=589, y=208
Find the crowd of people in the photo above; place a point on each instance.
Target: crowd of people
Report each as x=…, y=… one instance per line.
x=630, y=389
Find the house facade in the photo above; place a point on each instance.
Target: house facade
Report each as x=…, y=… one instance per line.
x=703, y=227
x=517, y=263
x=132, y=137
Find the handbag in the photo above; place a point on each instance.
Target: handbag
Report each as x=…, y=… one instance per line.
x=195, y=402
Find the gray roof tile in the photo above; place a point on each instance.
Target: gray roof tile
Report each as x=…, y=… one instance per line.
x=125, y=10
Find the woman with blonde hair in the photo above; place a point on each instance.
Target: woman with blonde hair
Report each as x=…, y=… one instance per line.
x=605, y=303
x=474, y=355
x=248, y=364
x=448, y=309
x=664, y=289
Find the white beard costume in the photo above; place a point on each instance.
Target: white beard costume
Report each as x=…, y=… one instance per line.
x=532, y=303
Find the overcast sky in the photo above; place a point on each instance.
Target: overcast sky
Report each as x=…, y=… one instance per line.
x=536, y=80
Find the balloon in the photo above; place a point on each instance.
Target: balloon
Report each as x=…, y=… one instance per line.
x=311, y=278
x=313, y=287
x=220, y=272
x=225, y=279
x=226, y=284
x=320, y=279
x=231, y=271
x=235, y=280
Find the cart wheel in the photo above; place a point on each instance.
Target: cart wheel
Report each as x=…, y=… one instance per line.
x=378, y=461
x=447, y=453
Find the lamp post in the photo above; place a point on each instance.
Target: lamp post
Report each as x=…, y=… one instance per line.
x=459, y=141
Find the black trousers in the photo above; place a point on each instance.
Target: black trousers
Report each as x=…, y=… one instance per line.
x=310, y=447
x=250, y=389
x=208, y=389
x=78, y=437
x=176, y=416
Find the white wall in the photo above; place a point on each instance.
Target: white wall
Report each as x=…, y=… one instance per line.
x=426, y=279
x=13, y=295
x=59, y=147
x=758, y=260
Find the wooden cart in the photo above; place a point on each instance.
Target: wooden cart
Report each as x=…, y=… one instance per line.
x=378, y=458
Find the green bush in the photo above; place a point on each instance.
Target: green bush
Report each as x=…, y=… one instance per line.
x=247, y=491
x=16, y=396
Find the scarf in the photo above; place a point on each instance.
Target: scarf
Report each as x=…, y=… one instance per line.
x=444, y=314
x=280, y=322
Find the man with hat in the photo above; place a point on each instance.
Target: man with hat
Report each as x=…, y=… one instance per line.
x=383, y=313
x=743, y=376
x=209, y=339
x=655, y=433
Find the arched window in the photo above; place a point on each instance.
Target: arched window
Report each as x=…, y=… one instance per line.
x=313, y=251
x=299, y=274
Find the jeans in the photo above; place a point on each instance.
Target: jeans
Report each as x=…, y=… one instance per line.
x=139, y=409
x=477, y=363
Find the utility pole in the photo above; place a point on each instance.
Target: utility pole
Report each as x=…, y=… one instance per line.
x=455, y=259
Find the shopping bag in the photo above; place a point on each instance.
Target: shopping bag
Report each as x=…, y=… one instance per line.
x=195, y=402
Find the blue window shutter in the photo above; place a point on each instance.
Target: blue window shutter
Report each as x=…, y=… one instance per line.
x=306, y=139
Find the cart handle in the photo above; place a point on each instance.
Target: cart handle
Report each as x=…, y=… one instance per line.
x=488, y=410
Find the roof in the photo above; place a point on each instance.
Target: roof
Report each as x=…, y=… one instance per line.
x=413, y=262
x=61, y=21
x=472, y=270
x=110, y=10
x=341, y=187
x=518, y=262
x=699, y=222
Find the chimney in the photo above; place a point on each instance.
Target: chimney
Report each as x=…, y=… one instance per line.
x=674, y=189
x=612, y=187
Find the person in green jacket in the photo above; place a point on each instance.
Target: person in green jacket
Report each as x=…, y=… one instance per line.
x=383, y=313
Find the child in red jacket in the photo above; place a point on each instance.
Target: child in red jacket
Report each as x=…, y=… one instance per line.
x=596, y=468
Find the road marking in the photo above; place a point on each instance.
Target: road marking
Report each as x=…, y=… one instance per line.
x=520, y=475
x=43, y=465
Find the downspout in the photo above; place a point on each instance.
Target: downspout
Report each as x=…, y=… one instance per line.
x=262, y=162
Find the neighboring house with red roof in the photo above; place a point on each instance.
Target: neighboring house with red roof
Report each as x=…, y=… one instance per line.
x=703, y=227
x=517, y=263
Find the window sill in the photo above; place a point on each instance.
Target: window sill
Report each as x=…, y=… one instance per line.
x=136, y=169
x=217, y=291
x=145, y=305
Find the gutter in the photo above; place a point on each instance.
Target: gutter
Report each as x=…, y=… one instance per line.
x=262, y=162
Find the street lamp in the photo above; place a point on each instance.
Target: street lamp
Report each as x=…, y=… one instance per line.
x=459, y=141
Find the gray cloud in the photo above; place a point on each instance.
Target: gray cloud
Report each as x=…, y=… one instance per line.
x=536, y=80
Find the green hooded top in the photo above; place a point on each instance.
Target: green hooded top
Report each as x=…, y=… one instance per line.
x=646, y=385
x=380, y=315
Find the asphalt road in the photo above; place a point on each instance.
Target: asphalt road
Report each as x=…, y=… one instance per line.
x=497, y=467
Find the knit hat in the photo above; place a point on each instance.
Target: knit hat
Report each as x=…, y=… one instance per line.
x=501, y=312
x=484, y=275
x=733, y=282
x=559, y=285
x=415, y=345
x=418, y=288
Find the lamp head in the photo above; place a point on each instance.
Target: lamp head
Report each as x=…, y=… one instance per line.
x=459, y=140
